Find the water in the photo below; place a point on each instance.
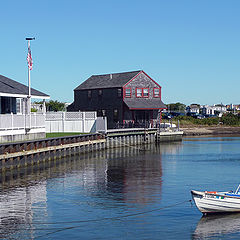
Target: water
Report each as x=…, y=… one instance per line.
x=123, y=194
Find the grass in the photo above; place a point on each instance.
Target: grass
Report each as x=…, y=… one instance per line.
x=61, y=134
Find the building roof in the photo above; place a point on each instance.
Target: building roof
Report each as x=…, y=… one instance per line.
x=11, y=88
x=107, y=80
x=144, y=103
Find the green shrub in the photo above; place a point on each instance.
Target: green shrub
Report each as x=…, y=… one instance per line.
x=230, y=119
x=227, y=119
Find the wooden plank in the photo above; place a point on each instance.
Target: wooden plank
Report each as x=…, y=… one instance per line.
x=50, y=148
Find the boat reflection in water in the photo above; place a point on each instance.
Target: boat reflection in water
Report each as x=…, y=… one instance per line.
x=217, y=225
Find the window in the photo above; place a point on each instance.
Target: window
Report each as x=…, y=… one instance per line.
x=142, y=92
x=119, y=92
x=139, y=92
x=89, y=93
x=100, y=92
x=145, y=92
x=115, y=115
x=156, y=92
x=128, y=92
x=19, y=105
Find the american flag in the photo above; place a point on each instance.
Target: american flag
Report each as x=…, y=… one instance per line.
x=29, y=59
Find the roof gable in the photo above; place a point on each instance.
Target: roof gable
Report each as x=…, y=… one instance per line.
x=140, y=76
x=108, y=80
x=9, y=86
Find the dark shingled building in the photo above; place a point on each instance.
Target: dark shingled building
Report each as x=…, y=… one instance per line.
x=128, y=98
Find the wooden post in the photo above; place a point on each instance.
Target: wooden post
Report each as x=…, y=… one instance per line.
x=12, y=120
x=83, y=121
x=63, y=121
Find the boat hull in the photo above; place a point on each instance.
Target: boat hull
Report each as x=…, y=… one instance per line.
x=208, y=202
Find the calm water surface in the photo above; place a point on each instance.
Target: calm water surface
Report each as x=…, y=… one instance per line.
x=123, y=194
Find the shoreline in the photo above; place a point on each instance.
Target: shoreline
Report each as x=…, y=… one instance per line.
x=213, y=130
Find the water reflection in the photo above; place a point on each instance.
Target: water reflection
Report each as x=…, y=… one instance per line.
x=217, y=225
x=108, y=178
x=135, y=179
x=18, y=206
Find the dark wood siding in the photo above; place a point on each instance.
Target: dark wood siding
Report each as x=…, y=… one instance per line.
x=108, y=101
x=142, y=81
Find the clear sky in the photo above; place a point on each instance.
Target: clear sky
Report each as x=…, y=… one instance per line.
x=191, y=48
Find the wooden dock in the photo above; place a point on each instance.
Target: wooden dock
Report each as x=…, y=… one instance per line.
x=169, y=136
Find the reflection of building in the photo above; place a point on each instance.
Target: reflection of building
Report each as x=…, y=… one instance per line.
x=125, y=174
x=143, y=179
x=22, y=206
x=136, y=178
x=121, y=175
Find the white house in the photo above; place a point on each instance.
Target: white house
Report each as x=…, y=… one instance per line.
x=193, y=108
x=216, y=109
x=15, y=121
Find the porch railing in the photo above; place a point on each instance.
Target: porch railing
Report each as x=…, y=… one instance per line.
x=136, y=124
x=164, y=126
x=14, y=121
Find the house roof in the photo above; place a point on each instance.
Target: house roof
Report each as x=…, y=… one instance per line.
x=144, y=103
x=107, y=80
x=11, y=88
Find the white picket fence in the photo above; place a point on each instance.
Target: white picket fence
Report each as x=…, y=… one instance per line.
x=16, y=122
x=83, y=122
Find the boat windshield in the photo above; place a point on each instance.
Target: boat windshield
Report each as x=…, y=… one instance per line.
x=238, y=190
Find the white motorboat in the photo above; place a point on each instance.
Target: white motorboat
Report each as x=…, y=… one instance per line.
x=217, y=202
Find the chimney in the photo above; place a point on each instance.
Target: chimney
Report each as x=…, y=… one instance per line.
x=110, y=76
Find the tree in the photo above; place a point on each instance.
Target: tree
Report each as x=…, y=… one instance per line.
x=54, y=106
x=176, y=107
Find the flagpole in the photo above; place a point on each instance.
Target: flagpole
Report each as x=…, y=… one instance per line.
x=29, y=89
x=29, y=82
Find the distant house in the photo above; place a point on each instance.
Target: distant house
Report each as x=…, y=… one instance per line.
x=193, y=109
x=15, y=121
x=216, y=109
x=128, y=98
x=233, y=107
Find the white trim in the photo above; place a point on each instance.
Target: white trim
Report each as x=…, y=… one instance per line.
x=41, y=97
x=21, y=131
x=22, y=95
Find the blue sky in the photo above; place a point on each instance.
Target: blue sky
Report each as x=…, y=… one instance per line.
x=191, y=48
